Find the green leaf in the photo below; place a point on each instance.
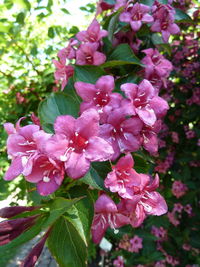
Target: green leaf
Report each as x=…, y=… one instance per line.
x=65, y=11
x=140, y=164
x=81, y=214
x=112, y=25
x=66, y=245
x=20, y=18
x=151, y=2
x=157, y=40
x=51, y=32
x=88, y=74
x=26, y=236
x=55, y=105
x=93, y=179
x=181, y=16
x=122, y=55
x=58, y=207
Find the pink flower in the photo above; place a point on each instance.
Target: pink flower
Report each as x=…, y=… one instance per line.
x=122, y=133
x=47, y=174
x=136, y=244
x=62, y=72
x=179, y=189
x=93, y=34
x=136, y=15
x=119, y=262
x=156, y=64
x=106, y=214
x=145, y=103
x=68, y=52
x=87, y=54
x=99, y=95
x=77, y=143
x=150, y=138
x=145, y=201
x=160, y=232
x=123, y=177
x=164, y=20
x=23, y=145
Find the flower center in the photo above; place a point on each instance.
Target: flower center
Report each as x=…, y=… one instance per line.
x=78, y=143
x=101, y=99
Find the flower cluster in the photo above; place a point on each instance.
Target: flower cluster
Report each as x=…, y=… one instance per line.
x=85, y=50
x=138, y=199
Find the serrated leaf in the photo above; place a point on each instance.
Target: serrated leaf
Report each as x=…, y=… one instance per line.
x=87, y=74
x=66, y=245
x=81, y=214
x=58, y=207
x=122, y=55
x=55, y=105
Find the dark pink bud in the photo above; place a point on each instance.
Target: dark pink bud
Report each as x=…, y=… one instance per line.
x=9, y=212
x=33, y=256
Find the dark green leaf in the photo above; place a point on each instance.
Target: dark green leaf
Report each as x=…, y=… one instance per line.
x=88, y=74
x=66, y=245
x=55, y=105
x=122, y=55
x=51, y=32
x=65, y=11
x=112, y=25
x=140, y=164
x=93, y=179
x=181, y=16
x=20, y=18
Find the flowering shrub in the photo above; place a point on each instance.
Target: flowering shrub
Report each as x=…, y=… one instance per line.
x=87, y=153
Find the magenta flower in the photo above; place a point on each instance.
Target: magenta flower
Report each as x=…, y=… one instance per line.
x=136, y=15
x=164, y=20
x=136, y=244
x=145, y=201
x=62, y=72
x=156, y=64
x=93, y=34
x=123, y=177
x=119, y=262
x=145, y=103
x=47, y=173
x=179, y=189
x=87, y=54
x=106, y=214
x=23, y=145
x=68, y=52
x=77, y=143
x=122, y=133
x=150, y=138
x=99, y=95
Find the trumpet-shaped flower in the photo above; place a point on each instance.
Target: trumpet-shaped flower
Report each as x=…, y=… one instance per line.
x=99, y=95
x=136, y=15
x=145, y=102
x=123, y=177
x=93, y=34
x=77, y=143
x=87, y=54
x=122, y=133
x=106, y=214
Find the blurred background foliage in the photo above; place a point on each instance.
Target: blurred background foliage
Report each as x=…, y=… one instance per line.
x=31, y=33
